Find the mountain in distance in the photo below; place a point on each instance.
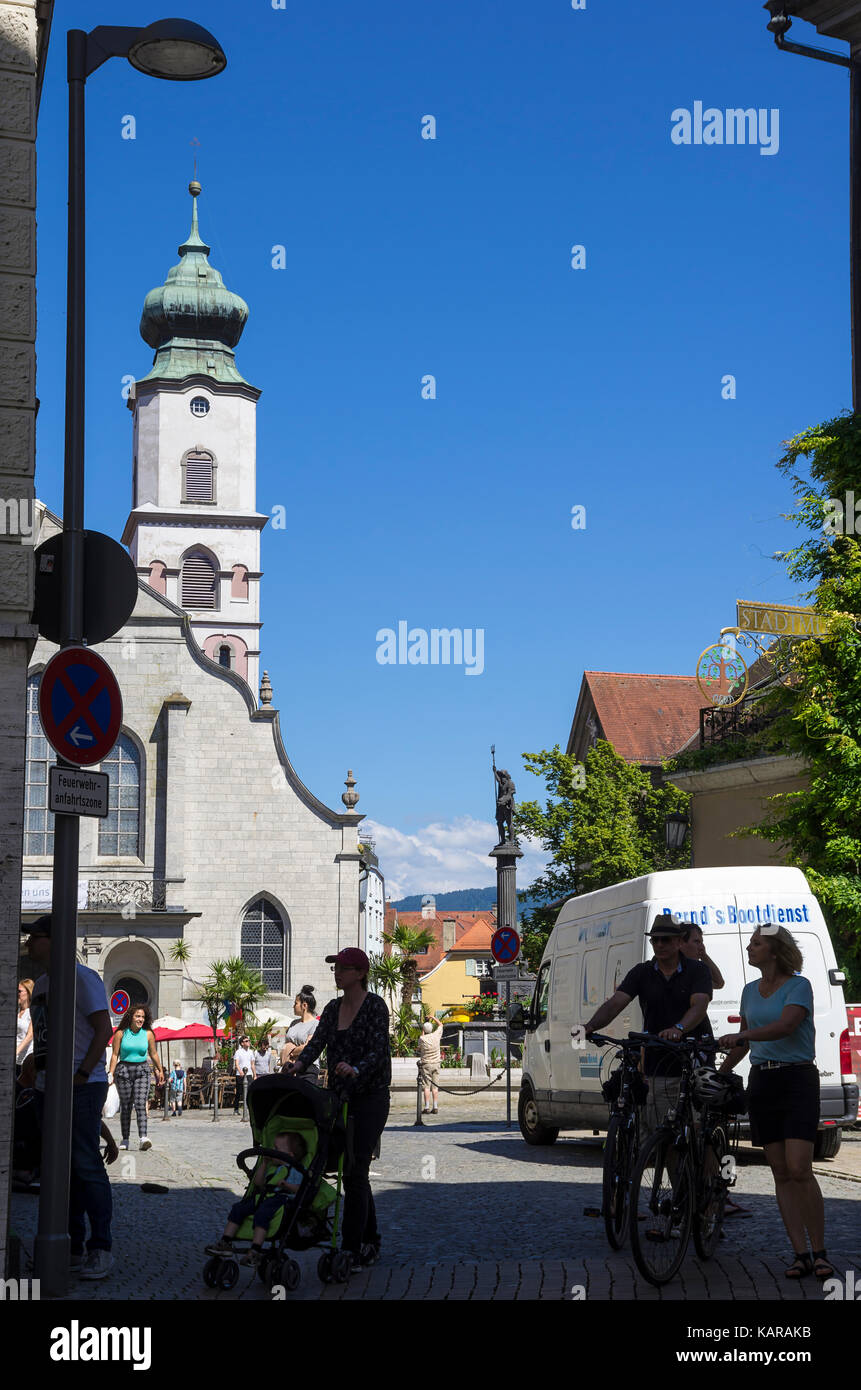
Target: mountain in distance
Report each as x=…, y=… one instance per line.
x=459, y=900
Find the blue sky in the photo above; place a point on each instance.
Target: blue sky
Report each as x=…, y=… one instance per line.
x=555, y=387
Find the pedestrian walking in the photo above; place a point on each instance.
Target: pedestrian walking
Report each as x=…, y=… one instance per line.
x=355, y=1033
x=89, y=1189
x=243, y=1065
x=265, y=1059
x=133, y=1050
x=24, y=1026
x=301, y=1029
x=430, y=1062
x=783, y=1090
x=176, y=1088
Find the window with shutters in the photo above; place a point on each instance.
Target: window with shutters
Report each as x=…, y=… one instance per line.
x=262, y=944
x=199, y=581
x=119, y=830
x=198, y=477
x=38, y=821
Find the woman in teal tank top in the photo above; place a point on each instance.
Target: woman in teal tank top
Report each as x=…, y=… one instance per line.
x=132, y=1051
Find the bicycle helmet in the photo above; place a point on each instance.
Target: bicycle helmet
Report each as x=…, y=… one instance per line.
x=710, y=1087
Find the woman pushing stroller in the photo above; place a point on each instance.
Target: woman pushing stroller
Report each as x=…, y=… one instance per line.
x=355, y=1032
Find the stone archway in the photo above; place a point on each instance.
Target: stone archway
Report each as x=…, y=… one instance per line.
x=130, y=964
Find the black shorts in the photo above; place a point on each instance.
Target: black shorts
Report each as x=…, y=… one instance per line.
x=783, y=1103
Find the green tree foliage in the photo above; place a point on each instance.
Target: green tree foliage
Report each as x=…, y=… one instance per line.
x=407, y=941
x=819, y=709
x=604, y=831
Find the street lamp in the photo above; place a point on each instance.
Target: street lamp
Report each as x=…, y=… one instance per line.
x=178, y=50
x=677, y=825
x=836, y=19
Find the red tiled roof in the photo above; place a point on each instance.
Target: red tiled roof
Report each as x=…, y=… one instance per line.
x=646, y=718
x=466, y=923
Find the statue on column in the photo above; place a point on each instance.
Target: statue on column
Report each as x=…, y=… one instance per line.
x=504, y=801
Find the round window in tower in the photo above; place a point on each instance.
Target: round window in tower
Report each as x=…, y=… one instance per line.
x=200, y=406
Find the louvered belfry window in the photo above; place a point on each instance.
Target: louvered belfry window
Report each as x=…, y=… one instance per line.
x=199, y=582
x=199, y=477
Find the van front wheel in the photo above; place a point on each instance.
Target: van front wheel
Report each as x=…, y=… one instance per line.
x=533, y=1131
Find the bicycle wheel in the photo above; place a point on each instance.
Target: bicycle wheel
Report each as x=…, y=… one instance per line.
x=619, y=1155
x=661, y=1208
x=711, y=1194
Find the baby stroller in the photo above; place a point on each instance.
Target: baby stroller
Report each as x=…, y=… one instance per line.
x=276, y=1105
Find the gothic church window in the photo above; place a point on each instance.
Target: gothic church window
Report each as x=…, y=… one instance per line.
x=199, y=581
x=198, y=477
x=262, y=944
x=38, y=821
x=119, y=830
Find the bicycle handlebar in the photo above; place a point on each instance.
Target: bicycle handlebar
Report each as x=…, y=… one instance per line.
x=637, y=1040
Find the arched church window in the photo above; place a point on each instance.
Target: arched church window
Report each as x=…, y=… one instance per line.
x=224, y=655
x=198, y=483
x=38, y=821
x=199, y=581
x=262, y=944
x=119, y=830
x=239, y=583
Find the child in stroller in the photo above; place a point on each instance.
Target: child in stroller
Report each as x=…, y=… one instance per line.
x=299, y=1134
x=279, y=1181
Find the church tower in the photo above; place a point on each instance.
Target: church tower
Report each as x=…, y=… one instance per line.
x=194, y=530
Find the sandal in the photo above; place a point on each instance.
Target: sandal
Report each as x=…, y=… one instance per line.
x=801, y=1266
x=821, y=1267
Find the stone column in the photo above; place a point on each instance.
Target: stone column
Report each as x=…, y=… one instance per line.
x=18, y=50
x=506, y=856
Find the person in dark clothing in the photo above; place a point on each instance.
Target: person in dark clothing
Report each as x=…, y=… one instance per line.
x=355, y=1033
x=674, y=993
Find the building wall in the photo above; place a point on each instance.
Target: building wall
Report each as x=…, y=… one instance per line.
x=224, y=823
x=17, y=463
x=727, y=797
x=448, y=984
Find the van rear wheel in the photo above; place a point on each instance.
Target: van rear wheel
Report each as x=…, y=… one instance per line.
x=827, y=1143
x=533, y=1131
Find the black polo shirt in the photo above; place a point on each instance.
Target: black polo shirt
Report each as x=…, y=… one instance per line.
x=665, y=1001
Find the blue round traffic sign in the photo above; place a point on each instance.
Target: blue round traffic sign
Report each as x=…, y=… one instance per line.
x=80, y=706
x=119, y=1001
x=505, y=945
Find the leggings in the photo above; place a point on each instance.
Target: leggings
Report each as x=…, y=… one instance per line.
x=369, y=1114
x=132, y=1080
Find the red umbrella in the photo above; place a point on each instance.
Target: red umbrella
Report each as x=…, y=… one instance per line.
x=190, y=1032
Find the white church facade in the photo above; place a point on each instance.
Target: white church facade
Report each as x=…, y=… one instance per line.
x=212, y=838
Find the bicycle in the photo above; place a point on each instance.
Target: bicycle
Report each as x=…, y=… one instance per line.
x=625, y=1090
x=681, y=1177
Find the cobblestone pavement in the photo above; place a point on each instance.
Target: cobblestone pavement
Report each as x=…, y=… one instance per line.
x=467, y=1211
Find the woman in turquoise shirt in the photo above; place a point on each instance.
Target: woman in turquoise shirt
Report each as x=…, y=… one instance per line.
x=783, y=1090
x=132, y=1051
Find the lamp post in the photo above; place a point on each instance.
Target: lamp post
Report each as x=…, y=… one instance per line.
x=676, y=826
x=177, y=50
x=836, y=19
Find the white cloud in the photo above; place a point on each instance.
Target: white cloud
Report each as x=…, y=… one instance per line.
x=441, y=857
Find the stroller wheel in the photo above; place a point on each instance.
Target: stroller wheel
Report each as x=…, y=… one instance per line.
x=290, y=1275
x=324, y=1267
x=342, y=1265
x=228, y=1275
x=210, y=1272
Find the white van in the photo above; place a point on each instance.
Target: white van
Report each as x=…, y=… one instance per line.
x=599, y=937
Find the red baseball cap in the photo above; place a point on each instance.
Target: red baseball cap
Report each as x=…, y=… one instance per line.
x=351, y=955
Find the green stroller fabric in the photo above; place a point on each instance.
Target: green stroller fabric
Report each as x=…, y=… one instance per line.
x=325, y=1194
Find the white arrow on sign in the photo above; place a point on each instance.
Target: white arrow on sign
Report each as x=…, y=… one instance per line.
x=79, y=736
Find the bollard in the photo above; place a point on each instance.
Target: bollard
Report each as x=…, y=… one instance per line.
x=418, y=1120
x=245, y=1095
